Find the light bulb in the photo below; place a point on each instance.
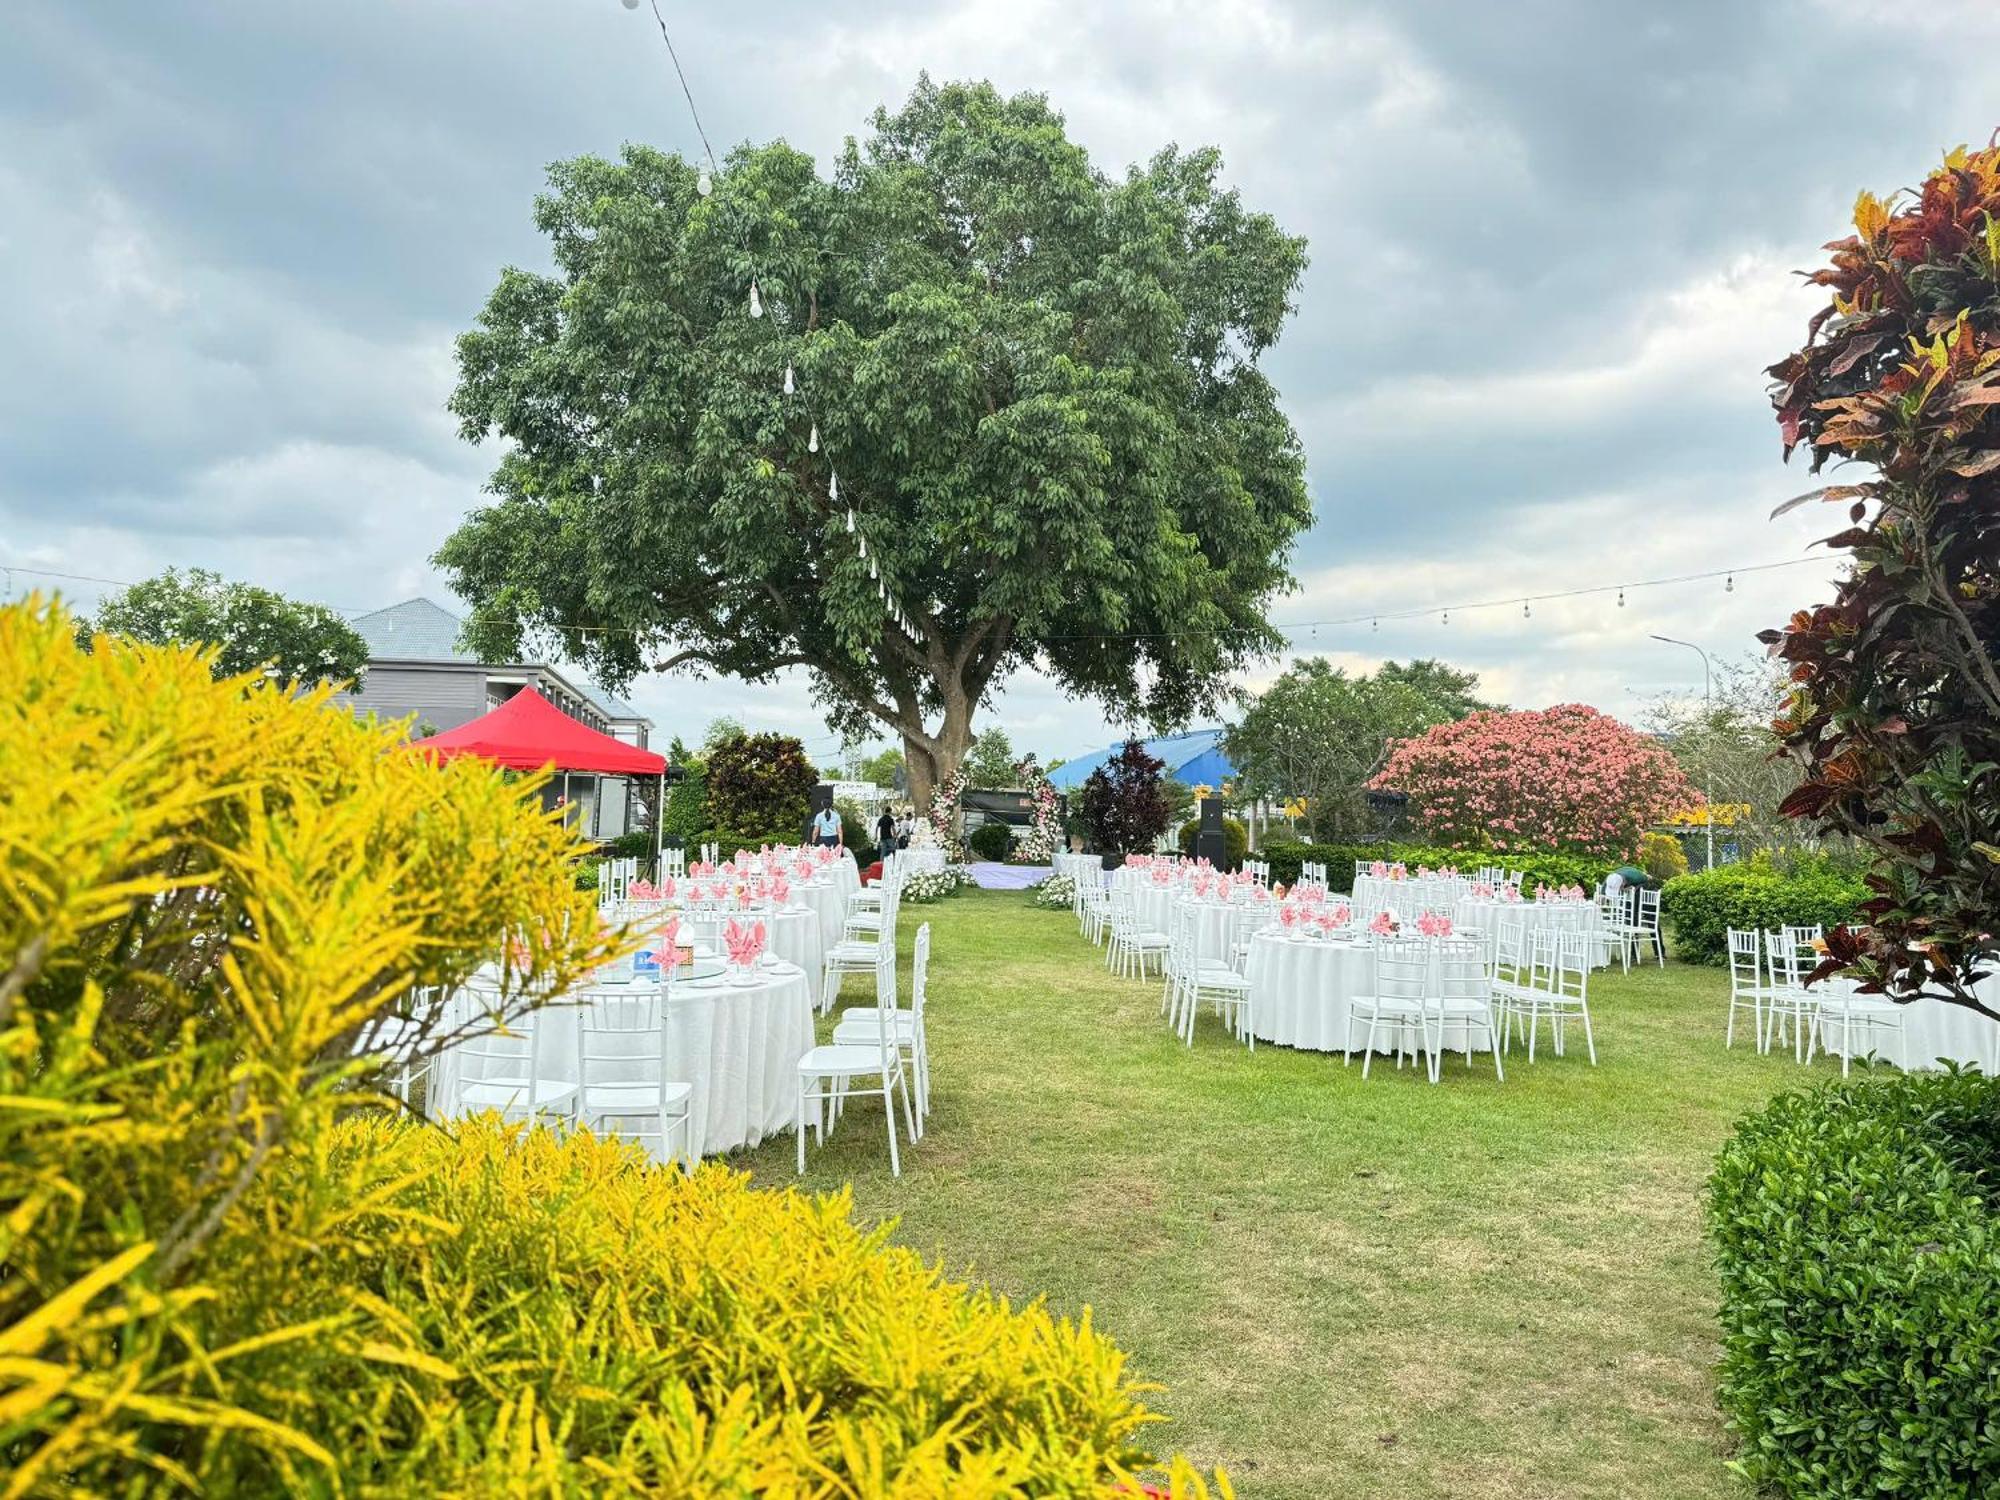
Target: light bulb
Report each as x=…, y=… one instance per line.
x=873, y=572
x=1729, y=584
x=1374, y=625
x=1445, y=618
x=1524, y=609
x=788, y=377
x=812, y=443
x=850, y=520
x=704, y=184
x=631, y=4
x=1621, y=598
x=864, y=546
x=756, y=302
x=833, y=494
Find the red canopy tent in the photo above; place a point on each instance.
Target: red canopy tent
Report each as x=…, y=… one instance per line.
x=528, y=732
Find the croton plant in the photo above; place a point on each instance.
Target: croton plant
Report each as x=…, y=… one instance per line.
x=1894, y=716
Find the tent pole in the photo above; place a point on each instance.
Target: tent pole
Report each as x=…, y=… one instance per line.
x=567, y=823
x=660, y=831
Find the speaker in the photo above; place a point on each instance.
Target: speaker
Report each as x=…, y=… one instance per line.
x=1209, y=843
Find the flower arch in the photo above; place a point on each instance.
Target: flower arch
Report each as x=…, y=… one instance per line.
x=1045, y=831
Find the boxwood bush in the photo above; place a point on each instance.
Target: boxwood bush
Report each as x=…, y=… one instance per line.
x=1700, y=909
x=1235, y=842
x=990, y=841
x=1859, y=1253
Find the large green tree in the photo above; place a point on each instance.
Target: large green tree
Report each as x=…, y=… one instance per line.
x=1037, y=386
x=251, y=628
x=1319, y=734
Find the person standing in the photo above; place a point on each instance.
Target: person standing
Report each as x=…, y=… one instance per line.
x=826, y=827
x=885, y=834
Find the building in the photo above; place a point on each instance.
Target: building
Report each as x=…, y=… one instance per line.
x=416, y=666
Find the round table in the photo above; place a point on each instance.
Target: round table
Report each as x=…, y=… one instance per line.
x=736, y=1046
x=1931, y=1033
x=828, y=904
x=794, y=933
x=1484, y=918
x=1301, y=990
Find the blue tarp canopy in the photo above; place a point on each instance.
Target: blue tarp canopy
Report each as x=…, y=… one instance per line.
x=1193, y=759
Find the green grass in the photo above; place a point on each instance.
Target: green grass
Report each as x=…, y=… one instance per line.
x=1345, y=1289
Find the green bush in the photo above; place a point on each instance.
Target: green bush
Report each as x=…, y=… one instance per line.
x=990, y=841
x=635, y=845
x=687, y=805
x=1701, y=908
x=1537, y=870
x=1859, y=1256
x=1235, y=841
x=760, y=781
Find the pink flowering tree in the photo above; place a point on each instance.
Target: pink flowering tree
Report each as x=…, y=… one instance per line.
x=1567, y=779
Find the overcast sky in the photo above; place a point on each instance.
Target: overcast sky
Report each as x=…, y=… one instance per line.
x=1551, y=250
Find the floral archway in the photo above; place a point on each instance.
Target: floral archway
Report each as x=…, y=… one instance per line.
x=1045, y=831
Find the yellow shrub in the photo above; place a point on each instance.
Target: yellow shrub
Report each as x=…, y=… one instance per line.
x=1661, y=856
x=226, y=1267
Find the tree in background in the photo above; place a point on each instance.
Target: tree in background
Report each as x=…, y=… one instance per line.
x=883, y=767
x=251, y=628
x=1894, y=716
x=760, y=784
x=1318, y=735
x=1728, y=749
x=989, y=765
x=1567, y=780
x=1038, y=388
x=720, y=729
x=1124, y=801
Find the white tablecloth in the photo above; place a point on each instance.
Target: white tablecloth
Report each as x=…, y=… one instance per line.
x=795, y=934
x=1301, y=990
x=1409, y=897
x=1932, y=1032
x=737, y=1047
x=1484, y=918
x=827, y=900
x=1075, y=865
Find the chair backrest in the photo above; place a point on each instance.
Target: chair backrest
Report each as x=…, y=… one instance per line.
x=1745, y=961
x=1787, y=962
x=1402, y=968
x=1180, y=939
x=1569, y=974
x=1510, y=948
x=511, y=1054
x=1647, y=904
x=1361, y=867
x=711, y=854
x=622, y=1036
x=1462, y=971
x=920, y=970
x=1803, y=937
x=673, y=863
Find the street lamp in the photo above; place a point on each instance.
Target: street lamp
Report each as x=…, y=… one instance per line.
x=1708, y=705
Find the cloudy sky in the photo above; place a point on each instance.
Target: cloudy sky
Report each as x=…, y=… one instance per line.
x=1551, y=252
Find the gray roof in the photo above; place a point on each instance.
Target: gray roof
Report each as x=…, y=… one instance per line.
x=418, y=630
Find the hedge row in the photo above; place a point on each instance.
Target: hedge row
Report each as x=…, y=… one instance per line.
x=1537, y=869
x=1859, y=1253
x=1700, y=909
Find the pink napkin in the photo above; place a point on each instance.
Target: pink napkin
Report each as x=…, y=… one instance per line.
x=745, y=945
x=1434, y=924
x=1384, y=925
x=1288, y=917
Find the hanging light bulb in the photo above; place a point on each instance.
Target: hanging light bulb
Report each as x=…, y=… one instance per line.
x=1524, y=609
x=864, y=546
x=1445, y=618
x=756, y=302
x=788, y=377
x=1621, y=597
x=1729, y=584
x=850, y=520
x=812, y=443
x=1374, y=626
x=872, y=571
x=833, y=494
x=704, y=184
x=631, y=4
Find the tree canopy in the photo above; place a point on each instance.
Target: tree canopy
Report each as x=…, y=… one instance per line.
x=1318, y=735
x=250, y=628
x=1027, y=422
x=990, y=762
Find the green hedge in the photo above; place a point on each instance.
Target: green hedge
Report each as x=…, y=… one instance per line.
x=1235, y=842
x=990, y=841
x=1700, y=909
x=1537, y=869
x=1859, y=1253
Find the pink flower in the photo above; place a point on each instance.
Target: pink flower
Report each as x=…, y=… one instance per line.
x=1383, y=925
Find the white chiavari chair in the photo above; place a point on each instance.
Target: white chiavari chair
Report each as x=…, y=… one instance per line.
x=1747, y=988
x=856, y=1025
x=1402, y=976
x=1792, y=1006
x=834, y=1072
x=872, y=953
x=1463, y=998
x=625, y=1068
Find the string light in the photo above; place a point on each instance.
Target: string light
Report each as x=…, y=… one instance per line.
x=1729, y=584
x=704, y=184
x=833, y=494
x=850, y=520
x=1621, y=596
x=1445, y=618
x=789, y=388
x=756, y=302
x=1374, y=626
x=864, y=545
x=1524, y=609
x=812, y=443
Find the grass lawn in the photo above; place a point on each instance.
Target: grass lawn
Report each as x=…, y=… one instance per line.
x=1346, y=1289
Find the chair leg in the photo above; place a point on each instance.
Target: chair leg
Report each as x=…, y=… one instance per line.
x=1589, y=1042
x=889, y=1114
x=799, y=1125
